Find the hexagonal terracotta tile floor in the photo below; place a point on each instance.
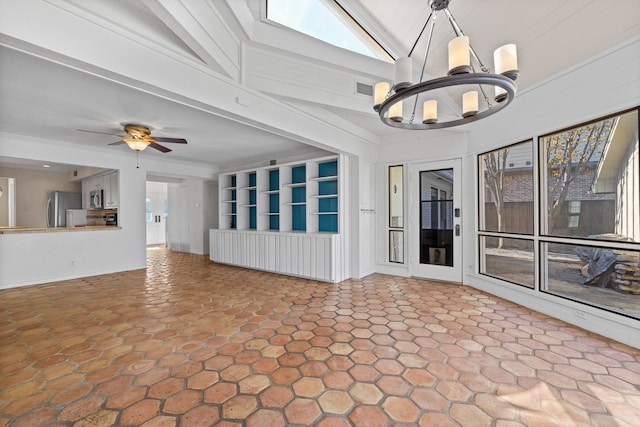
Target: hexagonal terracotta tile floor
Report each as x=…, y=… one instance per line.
x=189, y=342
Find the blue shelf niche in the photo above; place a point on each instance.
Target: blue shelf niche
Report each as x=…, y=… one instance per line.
x=328, y=206
x=252, y=201
x=299, y=195
x=274, y=200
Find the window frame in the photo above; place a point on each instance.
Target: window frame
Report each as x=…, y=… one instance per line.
x=541, y=241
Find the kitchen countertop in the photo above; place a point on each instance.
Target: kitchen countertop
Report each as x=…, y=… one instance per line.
x=16, y=230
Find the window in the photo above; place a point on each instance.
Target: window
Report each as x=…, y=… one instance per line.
x=396, y=214
x=581, y=178
x=326, y=21
x=573, y=214
x=506, y=196
x=149, y=210
x=585, y=245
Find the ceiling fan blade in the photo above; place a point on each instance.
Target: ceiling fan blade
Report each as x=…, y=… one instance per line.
x=159, y=147
x=93, y=131
x=162, y=139
x=116, y=143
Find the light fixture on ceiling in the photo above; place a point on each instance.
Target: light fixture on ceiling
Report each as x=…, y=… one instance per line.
x=137, y=144
x=389, y=98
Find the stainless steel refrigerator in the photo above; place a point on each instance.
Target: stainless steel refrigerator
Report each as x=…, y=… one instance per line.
x=57, y=204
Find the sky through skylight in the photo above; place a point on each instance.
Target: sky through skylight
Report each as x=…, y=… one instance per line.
x=313, y=17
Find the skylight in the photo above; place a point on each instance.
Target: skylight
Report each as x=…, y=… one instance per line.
x=323, y=20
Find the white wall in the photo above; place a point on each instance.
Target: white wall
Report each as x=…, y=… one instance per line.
x=30, y=258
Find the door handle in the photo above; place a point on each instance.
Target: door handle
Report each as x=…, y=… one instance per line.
x=457, y=229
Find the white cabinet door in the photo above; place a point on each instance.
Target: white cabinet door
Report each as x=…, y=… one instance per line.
x=111, y=196
x=114, y=190
x=86, y=189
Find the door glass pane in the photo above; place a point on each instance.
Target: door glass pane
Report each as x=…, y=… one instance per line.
x=436, y=217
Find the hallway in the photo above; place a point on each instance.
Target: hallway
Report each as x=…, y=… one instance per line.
x=189, y=342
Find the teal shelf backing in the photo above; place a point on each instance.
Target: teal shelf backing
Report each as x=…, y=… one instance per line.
x=252, y=179
x=233, y=222
x=328, y=168
x=299, y=218
x=328, y=187
x=298, y=194
x=274, y=222
x=252, y=197
x=298, y=174
x=274, y=179
x=233, y=195
x=328, y=223
x=274, y=203
x=252, y=218
x=233, y=181
x=234, y=208
x=329, y=204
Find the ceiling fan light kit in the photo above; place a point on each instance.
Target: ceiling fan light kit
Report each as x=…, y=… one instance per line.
x=138, y=137
x=388, y=99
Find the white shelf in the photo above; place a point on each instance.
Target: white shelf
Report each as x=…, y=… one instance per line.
x=270, y=192
x=297, y=184
x=249, y=206
x=229, y=214
x=296, y=203
x=249, y=188
x=324, y=213
x=229, y=201
x=324, y=196
x=230, y=188
x=270, y=213
x=324, y=178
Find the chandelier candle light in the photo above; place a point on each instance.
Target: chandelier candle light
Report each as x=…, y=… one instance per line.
x=388, y=99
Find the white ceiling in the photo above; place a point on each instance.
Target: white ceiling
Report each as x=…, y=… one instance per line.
x=44, y=99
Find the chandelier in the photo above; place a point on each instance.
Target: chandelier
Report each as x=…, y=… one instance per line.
x=389, y=98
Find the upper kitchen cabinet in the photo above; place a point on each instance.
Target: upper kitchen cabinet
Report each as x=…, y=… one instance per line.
x=109, y=185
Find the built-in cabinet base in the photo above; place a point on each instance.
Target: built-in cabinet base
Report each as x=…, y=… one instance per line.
x=311, y=255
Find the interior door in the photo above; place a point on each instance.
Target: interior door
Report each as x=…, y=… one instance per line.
x=435, y=228
x=156, y=216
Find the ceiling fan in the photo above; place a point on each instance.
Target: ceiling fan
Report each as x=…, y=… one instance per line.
x=138, y=137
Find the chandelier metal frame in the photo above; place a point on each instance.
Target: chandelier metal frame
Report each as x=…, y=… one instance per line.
x=456, y=77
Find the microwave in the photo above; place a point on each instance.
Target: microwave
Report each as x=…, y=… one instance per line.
x=96, y=200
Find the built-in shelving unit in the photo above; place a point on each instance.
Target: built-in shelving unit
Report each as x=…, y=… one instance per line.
x=297, y=197
x=263, y=209
x=228, y=202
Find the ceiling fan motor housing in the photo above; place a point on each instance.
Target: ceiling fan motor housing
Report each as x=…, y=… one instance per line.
x=137, y=131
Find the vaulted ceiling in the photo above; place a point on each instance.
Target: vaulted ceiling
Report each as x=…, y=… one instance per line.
x=240, y=89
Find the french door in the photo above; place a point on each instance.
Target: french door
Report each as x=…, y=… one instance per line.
x=435, y=228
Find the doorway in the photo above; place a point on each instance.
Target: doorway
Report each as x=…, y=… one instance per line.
x=435, y=229
x=157, y=209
